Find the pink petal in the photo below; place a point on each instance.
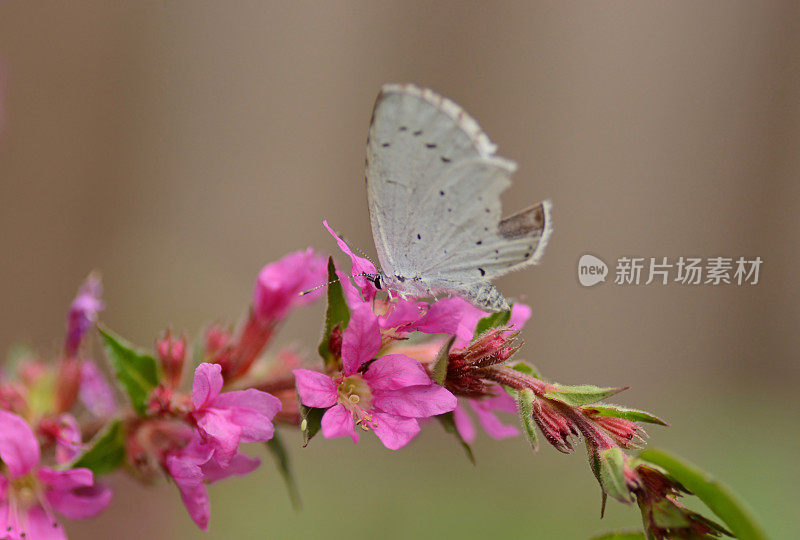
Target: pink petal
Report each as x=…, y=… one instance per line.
x=338, y=422
x=502, y=402
x=207, y=384
x=464, y=424
x=394, y=431
x=415, y=401
x=40, y=527
x=395, y=371
x=360, y=266
x=216, y=425
x=453, y=316
x=255, y=426
x=80, y=503
x=351, y=294
x=361, y=339
x=520, y=313
x=19, y=449
x=491, y=425
x=279, y=284
x=260, y=402
x=403, y=312
x=83, y=313
x=239, y=465
x=195, y=499
x=65, y=480
x=315, y=389
x=95, y=392
x=68, y=444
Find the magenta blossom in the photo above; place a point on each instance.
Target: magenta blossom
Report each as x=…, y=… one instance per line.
x=95, y=392
x=279, y=284
x=484, y=410
x=30, y=493
x=225, y=420
x=361, y=270
x=83, y=313
x=388, y=397
x=194, y=466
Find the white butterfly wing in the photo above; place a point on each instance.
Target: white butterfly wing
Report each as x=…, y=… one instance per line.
x=434, y=187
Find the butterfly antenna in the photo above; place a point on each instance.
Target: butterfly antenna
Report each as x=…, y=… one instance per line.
x=303, y=293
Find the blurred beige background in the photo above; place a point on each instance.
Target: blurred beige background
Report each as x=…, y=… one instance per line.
x=179, y=146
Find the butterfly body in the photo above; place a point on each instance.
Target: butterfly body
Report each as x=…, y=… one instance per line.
x=433, y=186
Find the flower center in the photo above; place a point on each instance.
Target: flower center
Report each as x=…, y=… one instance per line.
x=25, y=493
x=356, y=396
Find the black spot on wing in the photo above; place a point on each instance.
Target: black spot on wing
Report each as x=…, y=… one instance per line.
x=482, y=271
x=386, y=145
x=419, y=237
x=441, y=193
x=430, y=145
x=402, y=128
x=418, y=133
x=445, y=160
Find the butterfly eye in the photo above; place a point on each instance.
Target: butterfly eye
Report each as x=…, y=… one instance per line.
x=377, y=282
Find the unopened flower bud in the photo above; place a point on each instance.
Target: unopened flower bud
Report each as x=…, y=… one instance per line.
x=557, y=428
x=171, y=353
x=627, y=434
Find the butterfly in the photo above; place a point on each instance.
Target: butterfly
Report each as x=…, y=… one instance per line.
x=433, y=186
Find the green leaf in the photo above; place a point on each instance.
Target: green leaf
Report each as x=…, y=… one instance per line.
x=582, y=394
x=449, y=424
x=278, y=451
x=336, y=313
x=311, y=423
x=136, y=371
x=716, y=495
x=440, y=364
x=527, y=369
x=525, y=398
x=621, y=535
x=494, y=320
x=106, y=451
x=609, y=467
x=634, y=415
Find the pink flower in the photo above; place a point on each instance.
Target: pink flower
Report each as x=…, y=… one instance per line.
x=30, y=493
x=95, y=393
x=83, y=313
x=484, y=409
x=362, y=268
x=279, y=284
x=387, y=397
x=68, y=438
x=226, y=420
x=194, y=466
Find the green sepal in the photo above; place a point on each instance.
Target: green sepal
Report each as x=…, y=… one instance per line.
x=494, y=320
x=449, y=424
x=311, y=422
x=136, y=371
x=278, y=450
x=525, y=399
x=106, y=452
x=582, y=394
x=634, y=415
x=337, y=313
x=716, y=495
x=608, y=466
x=440, y=364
